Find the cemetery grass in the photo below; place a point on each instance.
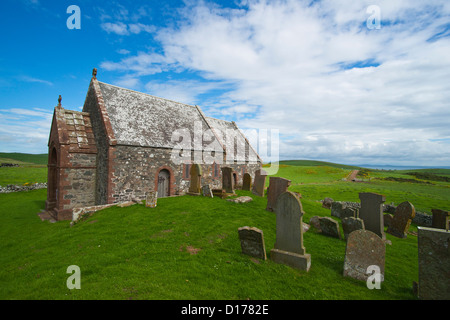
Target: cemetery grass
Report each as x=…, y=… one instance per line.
x=31, y=169
x=187, y=248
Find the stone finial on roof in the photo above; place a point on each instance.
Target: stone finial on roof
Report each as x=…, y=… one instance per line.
x=94, y=73
x=59, y=101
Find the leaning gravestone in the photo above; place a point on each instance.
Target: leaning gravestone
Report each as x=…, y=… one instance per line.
x=371, y=212
x=289, y=247
x=351, y=224
x=206, y=191
x=364, y=249
x=277, y=186
x=195, y=176
x=399, y=224
x=434, y=263
x=151, y=199
x=227, y=179
x=330, y=227
x=260, y=182
x=440, y=218
x=252, y=242
x=247, y=181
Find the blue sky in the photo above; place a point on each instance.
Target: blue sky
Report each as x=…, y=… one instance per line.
x=335, y=89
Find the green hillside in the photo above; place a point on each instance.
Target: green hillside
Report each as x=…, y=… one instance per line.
x=24, y=158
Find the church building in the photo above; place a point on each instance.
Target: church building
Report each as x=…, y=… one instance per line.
x=125, y=144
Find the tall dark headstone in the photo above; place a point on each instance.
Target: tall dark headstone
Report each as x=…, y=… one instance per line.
x=277, y=186
x=371, y=212
x=289, y=247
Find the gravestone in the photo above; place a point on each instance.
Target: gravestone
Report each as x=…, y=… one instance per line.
x=364, y=248
x=399, y=224
x=151, y=199
x=259, y=183
x=351, y=224
x=247, y=181
x=434, y=263
x=227, y=179
x=343, y=210
x=327, y=202
x=371, y=212
x=289, y=247
x=252, y=242
x=440, y=219
x=277, y=186
x=195, y=176
x=206, y=191
x=330, y=227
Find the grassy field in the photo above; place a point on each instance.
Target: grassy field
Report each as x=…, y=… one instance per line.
x=32, y=168
x=187, y=248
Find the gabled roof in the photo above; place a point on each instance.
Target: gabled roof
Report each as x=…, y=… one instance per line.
x=144, y=120
x=74, y=129
x=140, y=119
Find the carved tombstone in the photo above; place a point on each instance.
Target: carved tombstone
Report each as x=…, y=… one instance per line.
x=351, y=224
x=277, y=186
x=247, y=183
x=364, y=249
x=399, y=224
x=196, y=175
x=252, y=242
x=434, y=263
x=260, y=182
x=440, y=219
x=206, y=191
x=330, y=227
x=151, y=199
x=227, y=179
x=289, y=247
x=371, y=212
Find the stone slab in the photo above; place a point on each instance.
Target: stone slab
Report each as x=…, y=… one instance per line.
x=252, y=242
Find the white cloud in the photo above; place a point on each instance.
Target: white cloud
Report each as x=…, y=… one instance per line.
x=291, y=62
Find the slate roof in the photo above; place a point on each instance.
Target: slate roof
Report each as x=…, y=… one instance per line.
x=77, y=130
x=140, y=119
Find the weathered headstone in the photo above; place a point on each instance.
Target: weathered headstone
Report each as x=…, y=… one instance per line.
x=343, y=210
x=289, y=247
x=259, y=183
x=440, y=219
x=195, y=176
x=252, y=242
x=227, y=179
x=247, y=182
x=434, y=263
x=371, y=212
x=330, y=227
x=351, y=224
x=206, y=191
x=327, y=202
x=277, y=186
x=364, y=249
x=399, y=225
x=151, y=199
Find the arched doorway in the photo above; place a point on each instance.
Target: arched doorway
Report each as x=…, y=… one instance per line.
x=52, y=180
x=163, y=183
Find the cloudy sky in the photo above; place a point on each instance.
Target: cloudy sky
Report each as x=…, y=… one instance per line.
x=354, y=82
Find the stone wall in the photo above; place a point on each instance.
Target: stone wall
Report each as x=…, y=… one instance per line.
x=78, y=180
x=136, y=172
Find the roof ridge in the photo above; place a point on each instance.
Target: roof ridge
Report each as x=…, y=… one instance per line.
x=147, y=94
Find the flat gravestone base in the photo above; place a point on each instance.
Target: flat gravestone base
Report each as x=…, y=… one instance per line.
x=294, y=260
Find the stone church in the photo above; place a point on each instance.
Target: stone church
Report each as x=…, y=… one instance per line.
x=125, y=144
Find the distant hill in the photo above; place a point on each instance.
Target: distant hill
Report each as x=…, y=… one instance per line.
x=24, y=157
x=312, y=163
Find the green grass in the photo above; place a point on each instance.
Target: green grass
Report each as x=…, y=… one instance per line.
x=187, y=248
x=32, y=169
